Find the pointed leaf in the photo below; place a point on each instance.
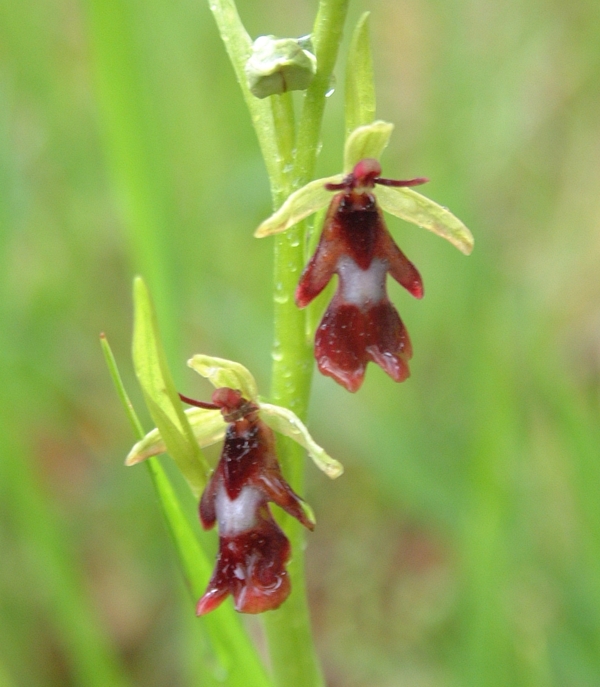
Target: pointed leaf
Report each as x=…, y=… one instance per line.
x=160, y=393
x=288, y=423
x=208, y=427
x=366, y=141
x=360, y=87
x=221, y=372
x=299, y=205
x=413, y=207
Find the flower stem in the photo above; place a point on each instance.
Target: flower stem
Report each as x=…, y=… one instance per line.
x=291, y=647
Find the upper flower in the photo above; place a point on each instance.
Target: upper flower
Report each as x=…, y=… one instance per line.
x=361, y=324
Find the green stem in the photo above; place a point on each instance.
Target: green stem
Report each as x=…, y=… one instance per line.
x=291, y=646
x=327, y=34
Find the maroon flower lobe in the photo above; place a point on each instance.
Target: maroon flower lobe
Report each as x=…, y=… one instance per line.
x=253, y=550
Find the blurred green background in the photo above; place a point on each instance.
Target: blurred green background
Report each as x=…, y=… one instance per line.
x=462, y=546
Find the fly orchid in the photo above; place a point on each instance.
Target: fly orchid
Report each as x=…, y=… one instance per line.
x=253, y=550
x=361, y=324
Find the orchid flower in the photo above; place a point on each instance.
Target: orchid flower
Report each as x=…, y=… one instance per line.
x=253, y=550
x=361, y=324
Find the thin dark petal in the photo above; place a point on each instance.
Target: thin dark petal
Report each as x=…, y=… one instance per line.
x=207, y=510
x=402, y=269
x=418, y=181
x=321, y=267
x=280, y=493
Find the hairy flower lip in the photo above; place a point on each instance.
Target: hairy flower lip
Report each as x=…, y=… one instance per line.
x=253, y=550
x=360, y=324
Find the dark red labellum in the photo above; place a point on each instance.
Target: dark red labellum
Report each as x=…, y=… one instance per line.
x=253, y=550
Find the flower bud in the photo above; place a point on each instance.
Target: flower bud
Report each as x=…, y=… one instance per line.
x=278, y=65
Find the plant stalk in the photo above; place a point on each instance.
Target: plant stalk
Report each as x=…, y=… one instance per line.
x=291, y=647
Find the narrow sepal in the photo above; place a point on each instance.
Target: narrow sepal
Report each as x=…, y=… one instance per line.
x=288, y=423
x=225, y=373
x=368, y=141
x=416, y=208
x=304, y=202
x=208, y=427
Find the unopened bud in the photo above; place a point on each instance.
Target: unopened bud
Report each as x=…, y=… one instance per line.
x=278, y=65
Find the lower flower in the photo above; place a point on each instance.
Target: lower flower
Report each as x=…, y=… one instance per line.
x=253, y=551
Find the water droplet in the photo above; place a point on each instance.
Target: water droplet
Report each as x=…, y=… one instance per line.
x=281, y=298
x=221, y=673
x=277, y=355
x=331, y=89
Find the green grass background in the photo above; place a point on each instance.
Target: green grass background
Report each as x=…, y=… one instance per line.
x=462, y=546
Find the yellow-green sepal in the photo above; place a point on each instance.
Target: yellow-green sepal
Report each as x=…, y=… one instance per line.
x=208, y=427
x=302, y=203
x=365, y=141
x=416, y=208
x=289, y=424
x=225, y=373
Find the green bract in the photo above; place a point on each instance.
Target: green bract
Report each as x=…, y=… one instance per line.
x=208, y=426
x=359, y=106
x=278, y=65
x=369, y=142
x=160, y=393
